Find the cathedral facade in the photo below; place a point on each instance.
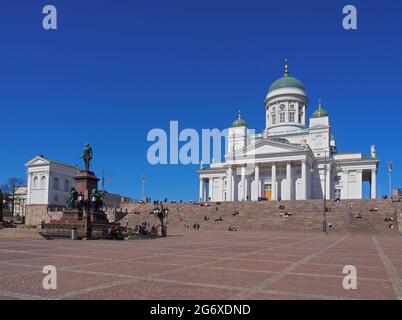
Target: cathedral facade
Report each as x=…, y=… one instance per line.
x=290, y=160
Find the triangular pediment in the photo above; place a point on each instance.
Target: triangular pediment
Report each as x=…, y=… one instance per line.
x=37, y=161
x=271, y=147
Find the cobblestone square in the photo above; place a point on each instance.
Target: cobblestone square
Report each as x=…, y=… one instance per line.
x=205, y=265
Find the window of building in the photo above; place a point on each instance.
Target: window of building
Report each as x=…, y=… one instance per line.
x=300, y=116
x=66, y=185
x=35, y=183
x=43, y=182
x=282, y=117
x=56, y=184
x=337, y=193
x=274, y=119
x=56, y=198
x=292, y=117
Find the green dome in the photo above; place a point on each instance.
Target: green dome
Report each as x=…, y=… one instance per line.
x=320, y=112
x=286, y=82
x=239, y=122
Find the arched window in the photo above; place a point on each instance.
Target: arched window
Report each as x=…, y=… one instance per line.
x=35, y=183
x=66, y=185
x=56, y=184
x=43, y=182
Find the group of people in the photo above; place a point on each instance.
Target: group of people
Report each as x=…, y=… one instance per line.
x=114, y=233
x=286, y=214
x=9, y=224
x=145, y=229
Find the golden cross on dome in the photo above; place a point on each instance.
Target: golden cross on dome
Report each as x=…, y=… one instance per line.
x=286, y=66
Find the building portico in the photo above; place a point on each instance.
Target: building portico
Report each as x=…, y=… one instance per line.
x=270, y=180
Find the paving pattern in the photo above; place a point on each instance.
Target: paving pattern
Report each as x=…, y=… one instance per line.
x=206, y=265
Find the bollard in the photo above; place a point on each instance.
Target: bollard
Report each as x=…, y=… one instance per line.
x=74, y=233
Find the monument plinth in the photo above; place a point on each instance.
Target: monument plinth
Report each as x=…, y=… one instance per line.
x=86, y=180
x=85, y=183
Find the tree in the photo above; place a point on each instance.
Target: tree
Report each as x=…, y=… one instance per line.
x=12, y=184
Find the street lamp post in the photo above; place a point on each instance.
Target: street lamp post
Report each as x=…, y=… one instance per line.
x=390, y=166
x=1, y=208
x=324, y=223
x=143, y=187
x=161, y=213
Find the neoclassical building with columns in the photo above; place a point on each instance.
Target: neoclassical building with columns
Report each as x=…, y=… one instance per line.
x=290, y=159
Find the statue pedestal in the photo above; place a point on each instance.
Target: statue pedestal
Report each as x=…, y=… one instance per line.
x=74, y=216
x=70, y=216
x=86, y=180
x=99, y=218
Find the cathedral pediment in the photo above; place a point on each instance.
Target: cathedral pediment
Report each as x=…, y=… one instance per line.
x=270, y=147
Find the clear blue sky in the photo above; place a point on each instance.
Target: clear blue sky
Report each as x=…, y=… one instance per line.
x=116, y=69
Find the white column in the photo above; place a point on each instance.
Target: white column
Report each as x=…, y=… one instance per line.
x=229, y=196
x=29, y=186
x=346, y=184
x=288, y=181
x=273, y=182
x=201, y=189
x=374, y=184
x=210, y=190
x=328, y=187
x=304, y=179
x=243, y=183
x=257, y=180
x=222, y=192
x=205, y=191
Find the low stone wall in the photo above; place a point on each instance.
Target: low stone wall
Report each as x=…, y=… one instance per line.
x=35, y=213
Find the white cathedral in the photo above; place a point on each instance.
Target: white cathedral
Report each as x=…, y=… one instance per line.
x=290, y=160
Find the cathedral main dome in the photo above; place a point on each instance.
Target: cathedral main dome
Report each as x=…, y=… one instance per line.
x=286, y=82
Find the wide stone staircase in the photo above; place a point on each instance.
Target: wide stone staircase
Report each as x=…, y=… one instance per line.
x=347, y=216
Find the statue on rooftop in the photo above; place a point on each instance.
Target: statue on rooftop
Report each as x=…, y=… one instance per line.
x=87, y=156
x=373, y=151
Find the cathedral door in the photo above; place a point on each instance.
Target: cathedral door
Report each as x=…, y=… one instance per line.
x=268, y=191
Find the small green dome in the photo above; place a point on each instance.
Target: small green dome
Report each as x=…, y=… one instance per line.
x=320, y=112
x=286, y=81
x=239, y=122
